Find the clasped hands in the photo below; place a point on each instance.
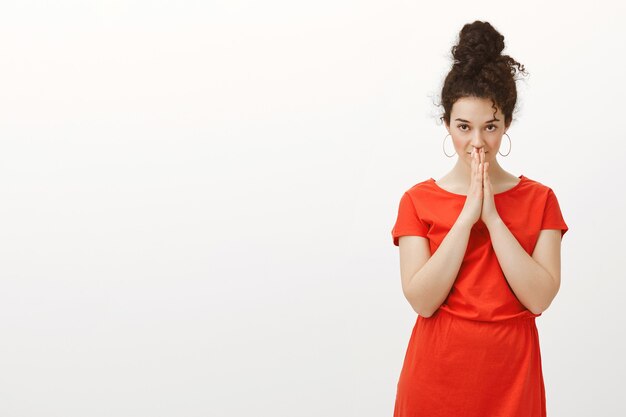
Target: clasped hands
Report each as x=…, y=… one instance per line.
x=489, y=213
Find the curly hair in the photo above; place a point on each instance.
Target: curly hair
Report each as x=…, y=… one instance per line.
x=480, y=70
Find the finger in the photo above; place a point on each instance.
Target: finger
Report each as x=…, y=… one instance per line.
x=475, y=161
x=477, y=178
x=482, y=179
x=487, y=180
x=486, y=177
x=482, y=167
x=473, y=164
x=482, y=173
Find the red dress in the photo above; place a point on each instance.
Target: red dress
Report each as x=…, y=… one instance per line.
x=478, y=355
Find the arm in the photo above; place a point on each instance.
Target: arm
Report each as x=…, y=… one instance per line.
x=535, y=279
x=426, y=279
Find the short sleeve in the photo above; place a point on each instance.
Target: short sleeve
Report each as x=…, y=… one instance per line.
x=408, y=222
x=552, y=216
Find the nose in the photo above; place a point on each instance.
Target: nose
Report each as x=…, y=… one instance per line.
x=477, y=142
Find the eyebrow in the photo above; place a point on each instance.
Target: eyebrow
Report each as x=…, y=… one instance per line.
x=488, y=121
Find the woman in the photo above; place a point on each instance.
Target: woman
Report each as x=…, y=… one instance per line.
x=479, y=255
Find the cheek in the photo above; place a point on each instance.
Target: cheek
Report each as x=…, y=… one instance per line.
x=458, y=144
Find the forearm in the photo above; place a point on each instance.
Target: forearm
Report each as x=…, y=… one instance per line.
x=431, y=284
x=533, y=286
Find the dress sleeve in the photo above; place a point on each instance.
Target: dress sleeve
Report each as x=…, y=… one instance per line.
x=408, y=222
x=552, y=216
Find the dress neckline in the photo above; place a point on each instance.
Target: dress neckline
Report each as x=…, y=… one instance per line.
x=516, y=186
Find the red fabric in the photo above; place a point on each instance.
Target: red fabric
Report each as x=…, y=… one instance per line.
x=478, y=355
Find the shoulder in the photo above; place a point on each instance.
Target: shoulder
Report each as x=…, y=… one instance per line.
x=421, y=196
x=536, y=187
x=540, y=197
x=418, y=189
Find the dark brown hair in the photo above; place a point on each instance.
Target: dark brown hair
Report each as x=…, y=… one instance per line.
x=480, y=70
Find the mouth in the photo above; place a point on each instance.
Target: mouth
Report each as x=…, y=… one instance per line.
x=469, y=153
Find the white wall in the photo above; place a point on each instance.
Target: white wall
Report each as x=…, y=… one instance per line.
x=196, y=199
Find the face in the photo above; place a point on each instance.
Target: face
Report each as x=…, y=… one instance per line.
x=472, y=125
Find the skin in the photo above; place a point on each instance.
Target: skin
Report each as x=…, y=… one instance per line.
x=476, y=134
x=428, y=278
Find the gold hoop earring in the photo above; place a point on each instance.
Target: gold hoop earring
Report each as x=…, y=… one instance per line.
x=444, y=147
x=509, y=146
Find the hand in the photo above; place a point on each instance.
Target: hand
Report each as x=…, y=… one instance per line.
x=471, y=211
x=489, y=212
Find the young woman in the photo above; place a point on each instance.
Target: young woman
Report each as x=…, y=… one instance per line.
x=479, y=255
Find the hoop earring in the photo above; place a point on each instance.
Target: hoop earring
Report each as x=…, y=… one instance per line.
x=444, y=147
x=509, y=145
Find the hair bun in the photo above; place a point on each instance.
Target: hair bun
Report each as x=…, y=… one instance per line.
x=481, y=70
x=479, y=43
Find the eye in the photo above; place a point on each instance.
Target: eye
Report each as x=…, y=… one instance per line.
x=463, y=126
